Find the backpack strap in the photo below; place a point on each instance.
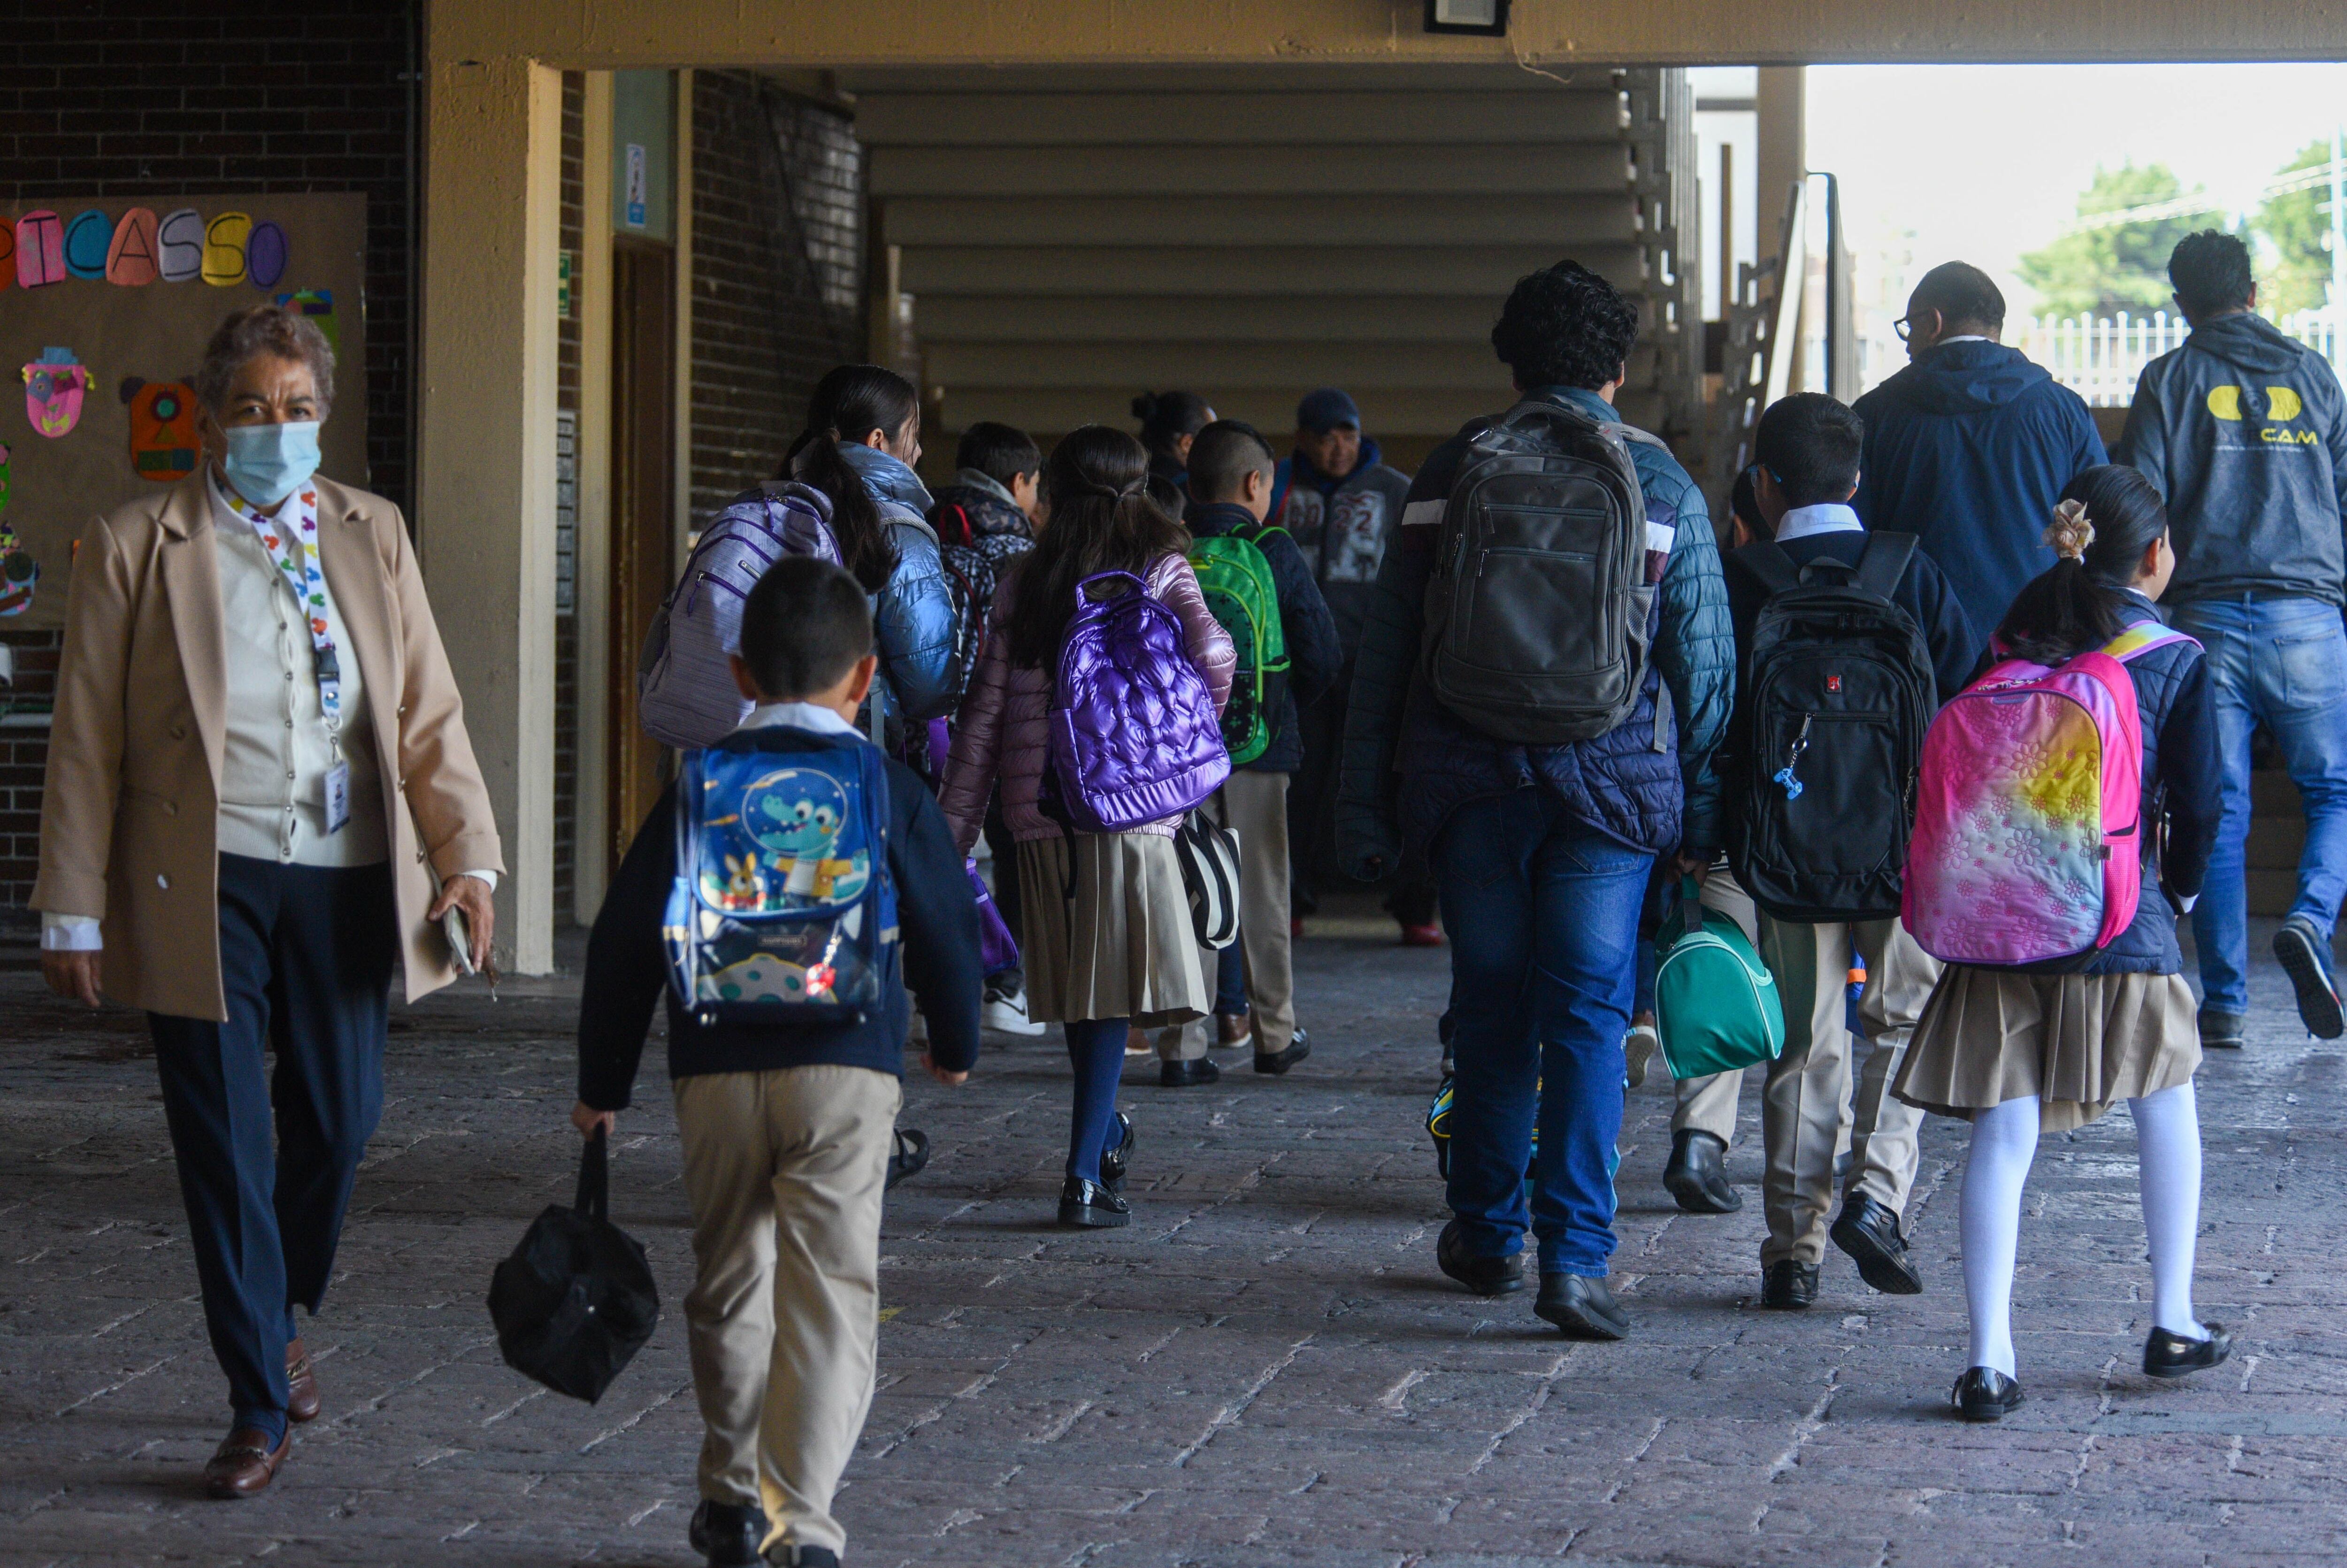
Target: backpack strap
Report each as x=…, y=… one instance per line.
x=1884, y=563
x=2142, y=638
x=1767, y=560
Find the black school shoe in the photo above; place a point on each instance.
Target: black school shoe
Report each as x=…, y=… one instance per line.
x=727, y=1533
x=906, y=1160
x=2301, y=951
x=1984, y=1394
x=1187, y=1074
x=1868, y=1232
x=1698, y=1174
x=1789, y=1284
x=2166, y=1355
x=1281, y=1060
x=1087, y=1206
x=1117, y=1158
x=1582, y=1307
x=2223, y=1030
x=1483, y=1275
x=786, y=1555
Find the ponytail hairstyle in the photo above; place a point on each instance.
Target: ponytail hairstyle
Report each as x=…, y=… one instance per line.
x=1166, y=417
x=850, y=403
x=2106, y=518
x=1102, y=520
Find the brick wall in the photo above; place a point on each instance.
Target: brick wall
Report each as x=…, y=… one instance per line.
x=777, y=271
x=164, y=99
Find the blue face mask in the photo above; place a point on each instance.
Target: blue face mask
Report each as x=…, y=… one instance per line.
x=267, y=463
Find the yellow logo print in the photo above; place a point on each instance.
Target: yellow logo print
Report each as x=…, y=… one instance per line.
x=2282, y=404
x=2225, y=402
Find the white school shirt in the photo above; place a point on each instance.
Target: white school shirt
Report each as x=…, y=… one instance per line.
x=1825, y=518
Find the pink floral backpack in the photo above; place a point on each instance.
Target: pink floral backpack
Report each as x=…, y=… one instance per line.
x=2029, y=845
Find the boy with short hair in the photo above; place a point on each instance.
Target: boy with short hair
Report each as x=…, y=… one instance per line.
x=785, y=1128
x=1231, y=469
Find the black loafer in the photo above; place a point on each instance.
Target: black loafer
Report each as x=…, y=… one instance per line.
x=1087, y=1206
x=1789, y=1284
x=1483, y=1275
x=728, y=1533
x=1984, y=1394
x=2301, y=949
x=905, y=1161
x=1279, y=1062
x=1583, y=1309
x=1117, y=1158
x=1868, y=1232
x=2166, y=1355
x=2223, y=1030
x=789, y=1556
x=1187, y=1074
x=1698, y=1174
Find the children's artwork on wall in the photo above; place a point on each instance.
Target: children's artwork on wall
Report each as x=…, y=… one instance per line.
x=224, y=238
x=130, y=258
x=87, y=236
x=53, y=385
x=3, y=482
x=266, y=254
x=163, y=440
x=120, y=389
x=318, y=304
x=180, y=237
x=19, y=574
x=40, y=250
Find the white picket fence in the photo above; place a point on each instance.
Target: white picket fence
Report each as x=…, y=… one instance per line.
x=2099, y=357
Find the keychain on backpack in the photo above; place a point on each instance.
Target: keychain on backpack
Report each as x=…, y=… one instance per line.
x=1784, y=775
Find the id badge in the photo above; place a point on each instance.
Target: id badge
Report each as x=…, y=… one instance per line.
x=338, y=796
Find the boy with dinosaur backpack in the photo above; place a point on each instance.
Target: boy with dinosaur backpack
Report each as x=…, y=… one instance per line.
x=1258, y=584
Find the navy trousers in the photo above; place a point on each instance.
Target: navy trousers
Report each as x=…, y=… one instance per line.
x=306, y=955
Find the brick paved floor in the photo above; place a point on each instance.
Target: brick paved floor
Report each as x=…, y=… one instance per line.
x=1265, y=1369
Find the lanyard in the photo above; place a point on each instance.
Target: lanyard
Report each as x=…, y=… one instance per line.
x=291, y=541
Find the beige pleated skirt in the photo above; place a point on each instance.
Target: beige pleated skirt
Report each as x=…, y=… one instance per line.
x=1123, y=946
x=2078, y=1042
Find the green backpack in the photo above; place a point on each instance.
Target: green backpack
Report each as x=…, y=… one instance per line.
x=1716, y=1003
x=1236, y=578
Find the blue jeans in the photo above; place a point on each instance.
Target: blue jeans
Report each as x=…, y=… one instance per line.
x=2281, y=662
x=1542, y=914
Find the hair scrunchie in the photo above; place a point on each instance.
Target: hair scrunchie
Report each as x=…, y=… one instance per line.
x=2071, y=533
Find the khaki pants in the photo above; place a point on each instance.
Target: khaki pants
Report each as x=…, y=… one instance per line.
x=785, y=1170
x=1255, y=807
x=1807, y=1092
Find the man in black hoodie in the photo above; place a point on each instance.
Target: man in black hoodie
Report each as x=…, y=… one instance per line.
x=2244, y=431
x=1969, y=446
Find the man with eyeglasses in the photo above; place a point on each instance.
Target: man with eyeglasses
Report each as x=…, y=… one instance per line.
x=1969, y=446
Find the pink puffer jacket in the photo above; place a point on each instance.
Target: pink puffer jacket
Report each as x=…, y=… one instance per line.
x=1004, y=728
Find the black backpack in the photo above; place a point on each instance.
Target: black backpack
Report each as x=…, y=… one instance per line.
x=1836, y=693
x=576, y=1300
x=1537, y=619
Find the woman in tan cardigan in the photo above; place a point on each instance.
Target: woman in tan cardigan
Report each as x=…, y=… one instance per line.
x=260, y=794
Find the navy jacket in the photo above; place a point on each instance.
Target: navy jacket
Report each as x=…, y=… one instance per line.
x=1968, y=449
x=1651, y=787
x=627, y=964
x=2244, y=431
x=1923, y=592
x=1344, y=526
x=1314, y=654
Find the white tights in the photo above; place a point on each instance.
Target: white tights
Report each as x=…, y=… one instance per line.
x=2005, y=1142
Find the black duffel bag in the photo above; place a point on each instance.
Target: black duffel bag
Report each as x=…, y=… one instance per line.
x=576, y=1300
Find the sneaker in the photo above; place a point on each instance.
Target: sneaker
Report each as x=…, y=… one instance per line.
x=1427, y=936
x=1008, y=1015
x=1233, y=1031
x=1639, y=1048
x=2223, y=1030
x=2305, y=957
x=1137, y=1043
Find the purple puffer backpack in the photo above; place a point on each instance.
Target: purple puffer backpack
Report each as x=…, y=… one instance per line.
x=1134, y=738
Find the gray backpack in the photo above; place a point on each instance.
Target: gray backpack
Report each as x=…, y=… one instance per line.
x=1537, y=617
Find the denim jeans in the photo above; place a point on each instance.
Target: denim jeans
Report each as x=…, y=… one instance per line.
x=1542, y=914
x=2281, y=662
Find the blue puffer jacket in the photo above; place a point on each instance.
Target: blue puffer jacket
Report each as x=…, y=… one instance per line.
x=1651, y=787
x=913, y=614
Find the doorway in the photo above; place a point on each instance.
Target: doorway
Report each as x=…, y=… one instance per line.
x=644, y=497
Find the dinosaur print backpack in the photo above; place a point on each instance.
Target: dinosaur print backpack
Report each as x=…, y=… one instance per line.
x=781, y=911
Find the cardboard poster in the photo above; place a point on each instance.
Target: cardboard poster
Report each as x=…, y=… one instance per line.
x=123, y=446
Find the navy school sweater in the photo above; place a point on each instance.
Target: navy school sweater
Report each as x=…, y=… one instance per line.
x=627, y=965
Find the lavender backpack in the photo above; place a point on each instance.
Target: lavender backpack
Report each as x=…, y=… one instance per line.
x=1135, y=737
x=683, y=683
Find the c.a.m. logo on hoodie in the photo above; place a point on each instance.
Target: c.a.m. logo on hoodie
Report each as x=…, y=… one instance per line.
x=2282, y=405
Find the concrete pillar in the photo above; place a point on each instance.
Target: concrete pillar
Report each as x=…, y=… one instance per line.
x=485, y=490
x=594, y=563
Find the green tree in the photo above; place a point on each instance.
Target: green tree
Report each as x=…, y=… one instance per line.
x=2297, y=231
x=2116, y=267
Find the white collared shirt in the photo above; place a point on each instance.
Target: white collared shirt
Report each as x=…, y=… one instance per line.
x=1825, y=518
x=799, y=716
x=1966, y=337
